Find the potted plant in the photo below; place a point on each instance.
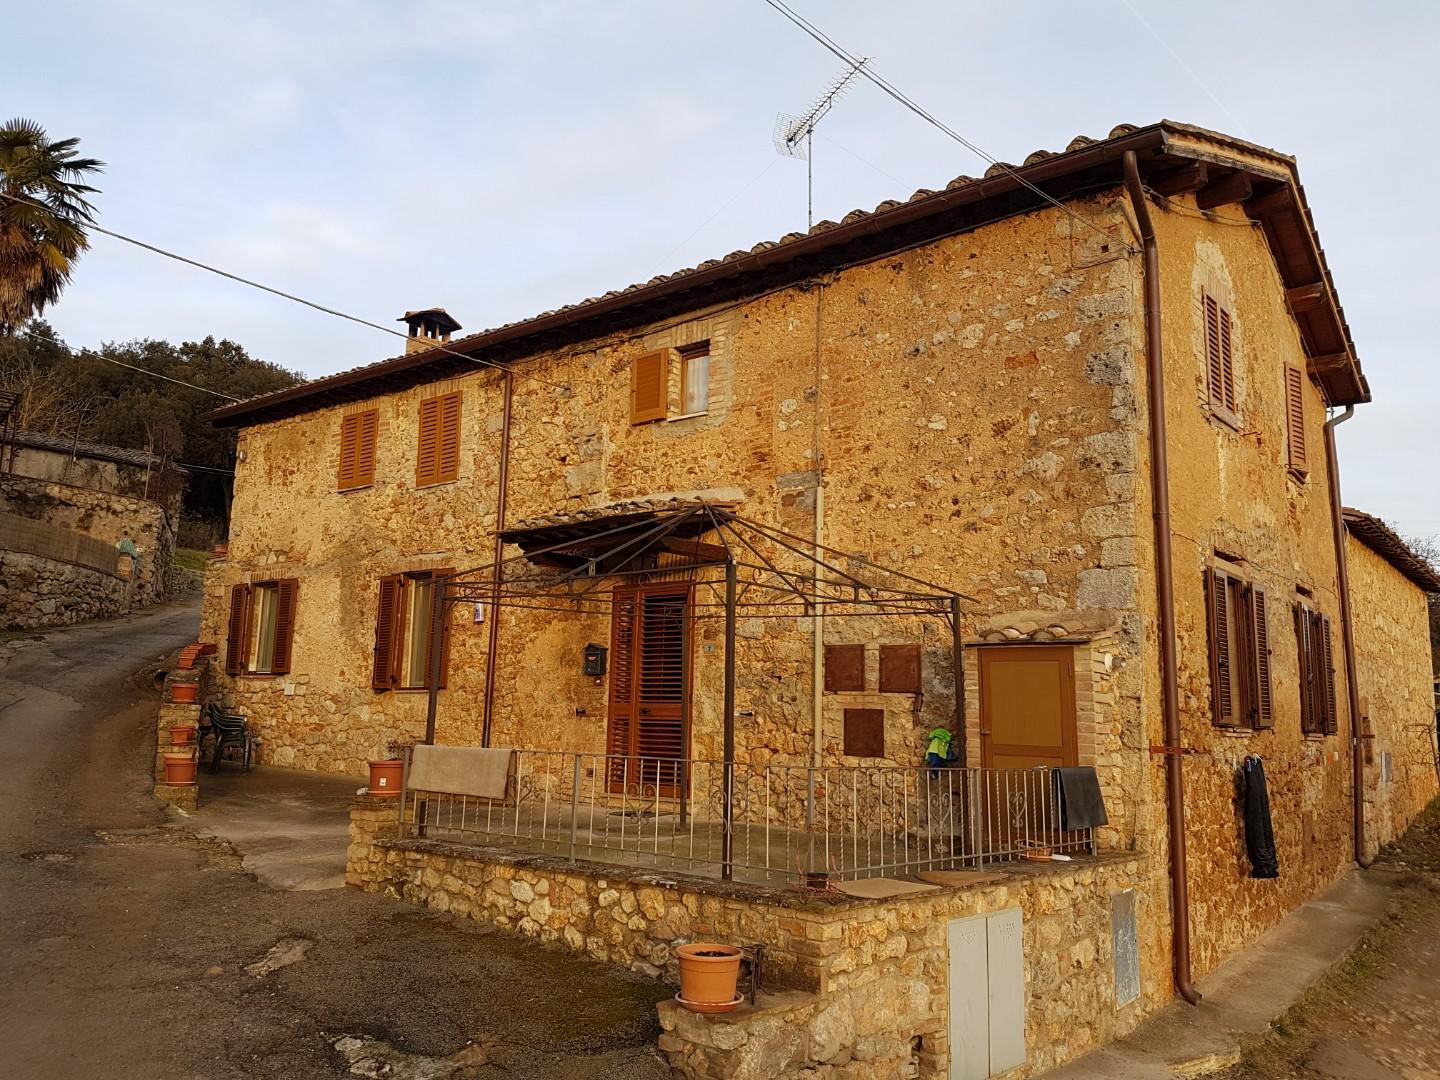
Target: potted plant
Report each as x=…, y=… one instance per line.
x=184, y=693
x=387, y=773
x=182, y=734
x=708, y=974
x=180, y=769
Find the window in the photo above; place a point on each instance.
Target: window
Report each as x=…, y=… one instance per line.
x=650, y=376
x=865, y=732
x=261, y=627
x=358, y=434
x=437, y=457
x=1317, y=672
x=403, y=632
x=695, y=379
x=1239, y=642
x=900, y=669
x=1219, y=359
x=1295, y=419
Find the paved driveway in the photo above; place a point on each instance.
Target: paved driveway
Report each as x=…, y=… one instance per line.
x=133, y=947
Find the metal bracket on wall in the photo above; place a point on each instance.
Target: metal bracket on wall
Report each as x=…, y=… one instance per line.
x=1179, y=751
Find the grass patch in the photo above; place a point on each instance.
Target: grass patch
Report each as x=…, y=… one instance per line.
x=191, y=559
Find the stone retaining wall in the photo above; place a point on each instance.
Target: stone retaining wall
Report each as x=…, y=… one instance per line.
x=871, y=977
x=36, y=591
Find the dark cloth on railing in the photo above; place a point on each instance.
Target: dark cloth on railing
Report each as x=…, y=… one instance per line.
x=1078, y=793
x=1259, y=834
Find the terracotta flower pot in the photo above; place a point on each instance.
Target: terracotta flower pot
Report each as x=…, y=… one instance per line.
x=182, y=735
x=180, y=770
x=708, y=974
x=184, y=693
x=385, y=776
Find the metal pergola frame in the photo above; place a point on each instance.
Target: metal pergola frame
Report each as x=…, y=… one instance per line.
x=567, y=567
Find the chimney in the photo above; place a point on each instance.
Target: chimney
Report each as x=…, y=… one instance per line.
x=428, y=328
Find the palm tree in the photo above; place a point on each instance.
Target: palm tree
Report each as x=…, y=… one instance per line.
x=43, y=214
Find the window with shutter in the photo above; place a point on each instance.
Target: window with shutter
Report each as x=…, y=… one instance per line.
x=864, y=733
x=1332, y=720
x=1295, y=418
x=358, y=436
x=437, y=449
x=650, y=387
x=695, y=379
x=384, y=674
x=1318, y=714
x=1219, y=357
x=261, y=629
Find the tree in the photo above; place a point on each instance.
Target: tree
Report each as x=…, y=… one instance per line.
x=43, y=214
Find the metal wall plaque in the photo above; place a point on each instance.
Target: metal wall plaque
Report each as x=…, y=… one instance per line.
x=1125, y=944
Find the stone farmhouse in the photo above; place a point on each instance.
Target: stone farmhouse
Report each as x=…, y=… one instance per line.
x=86, y=531
x=1043, y=458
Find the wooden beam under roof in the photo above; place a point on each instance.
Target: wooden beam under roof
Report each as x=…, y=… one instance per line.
x=1266, y=203
x=1305, y=297
x=1322, y=365
x=1228, y=189
x=1189, y=177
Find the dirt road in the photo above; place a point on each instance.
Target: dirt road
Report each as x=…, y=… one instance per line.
x=125, y=939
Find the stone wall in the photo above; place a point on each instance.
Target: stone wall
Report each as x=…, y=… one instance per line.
x=1392, y=622
x=37, y=592
x=103, y=516
x=869, y=978
x=1003, y=362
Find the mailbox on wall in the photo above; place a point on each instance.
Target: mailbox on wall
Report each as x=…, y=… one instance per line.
x=594, y=660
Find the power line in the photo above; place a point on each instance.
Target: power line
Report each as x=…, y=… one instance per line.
x=889, y=88
x=284, y=295
x=205, y=468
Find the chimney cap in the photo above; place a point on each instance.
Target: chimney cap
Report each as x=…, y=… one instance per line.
x=436, y=319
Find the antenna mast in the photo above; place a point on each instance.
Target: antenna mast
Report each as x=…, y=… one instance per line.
x=794, y=135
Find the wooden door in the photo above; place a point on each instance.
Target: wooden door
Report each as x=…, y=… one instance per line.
x=649, y=688
x=1027, y=706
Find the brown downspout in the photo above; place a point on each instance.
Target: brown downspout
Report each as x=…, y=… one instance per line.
x=502, y=485
x=1342, y=574
x=1165, y=589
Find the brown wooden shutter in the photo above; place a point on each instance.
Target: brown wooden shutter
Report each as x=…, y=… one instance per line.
x=1260, y=639
x=1332, y=719
x=286, y=591
x=235, y=630
x=427, y=447
x=1222, y=684
x=1310, y=723
x=1219, y=358
x=383, y=675
x=649, y=386
x=445, y=624
x=899, y=669
x=349, y=448
x=448, y=452
x=1227, y=361
x=619, y=729
x=1295, y=417
x=844, y=668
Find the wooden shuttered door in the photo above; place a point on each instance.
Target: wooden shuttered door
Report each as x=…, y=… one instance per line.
x=649, y=688
x=437, y=453
x=650, y=387
x=1219, y=355
x=1239, y=640
x=359, y=434
x=1295, y=418
x=236, y=636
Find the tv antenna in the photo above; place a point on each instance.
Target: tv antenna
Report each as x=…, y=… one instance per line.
x=794, y=135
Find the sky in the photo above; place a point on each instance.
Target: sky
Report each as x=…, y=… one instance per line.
x=500, y=158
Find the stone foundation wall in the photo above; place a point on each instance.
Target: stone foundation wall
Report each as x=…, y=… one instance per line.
x=36, y=591
x=869, y=978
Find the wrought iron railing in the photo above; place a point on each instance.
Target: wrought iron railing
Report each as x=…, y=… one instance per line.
x=759, y=823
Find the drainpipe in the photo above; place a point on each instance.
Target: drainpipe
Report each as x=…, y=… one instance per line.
x=1165, y=590
x=1342, y=573
x=502, y=486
